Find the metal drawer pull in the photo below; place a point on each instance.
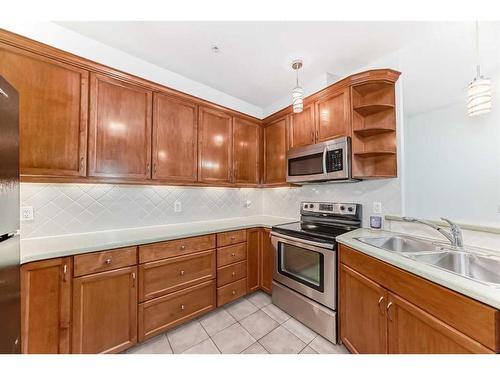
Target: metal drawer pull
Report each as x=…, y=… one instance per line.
x=233, y=238
x=182, y=272
x=65, y=271
x=183, y=247
x=233, y=254
x=182, y=307
x=133, y=279
x=388, y=310
x=234, y=292
x=108, y=261
x=233, y=274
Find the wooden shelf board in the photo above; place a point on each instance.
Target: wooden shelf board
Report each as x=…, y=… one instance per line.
x=370, y=109
x=367, y=154
x=366, y=132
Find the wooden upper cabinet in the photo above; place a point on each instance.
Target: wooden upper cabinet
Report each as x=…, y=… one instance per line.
x=175, y=147
x=302, y=130
x=53, y=99
x=105, y=311
x=363, y=324
x=246, y=151
x=215, y=146
x=46, y=306
x=275, y=147
x=120, y=129
x=333, y=116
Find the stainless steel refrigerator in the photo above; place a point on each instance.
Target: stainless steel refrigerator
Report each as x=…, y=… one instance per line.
x=10, y=306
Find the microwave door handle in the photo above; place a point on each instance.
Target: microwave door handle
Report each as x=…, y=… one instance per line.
x=324, y=160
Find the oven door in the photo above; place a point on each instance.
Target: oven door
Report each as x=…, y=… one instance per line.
x=307, y=267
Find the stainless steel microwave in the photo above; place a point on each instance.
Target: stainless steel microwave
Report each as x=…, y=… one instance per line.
x=328, y=161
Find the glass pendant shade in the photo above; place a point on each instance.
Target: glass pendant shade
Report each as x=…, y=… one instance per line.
x=479, y=96
x=298, y=99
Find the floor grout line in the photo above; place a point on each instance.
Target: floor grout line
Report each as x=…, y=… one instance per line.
x=210, y=337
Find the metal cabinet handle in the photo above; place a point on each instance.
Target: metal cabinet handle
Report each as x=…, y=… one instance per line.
x=380, y=300
x=388, y=311
x=182, y=307
x=154, y=168
x=317, y=135
x=233, y=274
x=312, y=135
x=65, y=272
x=108, y=261
x=148, y=167
x=233, y=238
x=183, y=247
x=81, y=162
x=233, y=254
x=133, y=279
x=182, y=272
x=234, y=292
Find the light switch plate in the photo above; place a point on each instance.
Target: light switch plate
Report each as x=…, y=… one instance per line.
x=177, y=206
x=377, y=207
x=27, y=213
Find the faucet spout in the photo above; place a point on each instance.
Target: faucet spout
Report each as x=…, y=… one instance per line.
x=454, y=235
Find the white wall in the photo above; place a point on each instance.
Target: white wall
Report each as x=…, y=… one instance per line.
x=70, y=41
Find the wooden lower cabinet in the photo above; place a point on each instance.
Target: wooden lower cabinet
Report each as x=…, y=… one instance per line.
x=46, y=306
x=163, y=313
x=267, y=262
x=254, y=246
x=363, y=324
x=387, y=310
x=412, y=330
x=105, y=311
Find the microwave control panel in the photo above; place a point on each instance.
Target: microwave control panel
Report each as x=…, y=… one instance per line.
x=335, y=160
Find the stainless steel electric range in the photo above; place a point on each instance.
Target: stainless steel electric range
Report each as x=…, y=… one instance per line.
x=305, y=267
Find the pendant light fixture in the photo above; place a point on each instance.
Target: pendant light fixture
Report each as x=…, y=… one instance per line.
x=479, y=90
x=297, y=92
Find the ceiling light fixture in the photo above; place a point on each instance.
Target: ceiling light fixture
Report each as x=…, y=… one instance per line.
x=479, y=90
x=297, y=92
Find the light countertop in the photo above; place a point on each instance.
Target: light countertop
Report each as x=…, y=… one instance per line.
x=39, y=248
x=488, y=294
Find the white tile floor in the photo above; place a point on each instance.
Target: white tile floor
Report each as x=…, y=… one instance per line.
x=251, y=325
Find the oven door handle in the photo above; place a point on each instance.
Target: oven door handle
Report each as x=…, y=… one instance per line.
x=299, y=241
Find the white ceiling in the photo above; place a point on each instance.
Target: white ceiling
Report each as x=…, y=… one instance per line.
x=253, y=64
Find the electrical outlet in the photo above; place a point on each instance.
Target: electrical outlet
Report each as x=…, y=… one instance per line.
x=377, y=207
x=248, y=203
x=26, y=213
x=177, y=206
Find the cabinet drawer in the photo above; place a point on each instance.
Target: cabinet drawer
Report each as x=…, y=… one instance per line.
x=163, y=313
x=231, y=292
x=168, y=275
x=230, y=238
x=231, y=254
x=104, y=261
x=169, y=249
x=231, y=273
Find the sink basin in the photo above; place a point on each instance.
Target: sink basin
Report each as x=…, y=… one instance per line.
x=485, y=268
x=400, y=244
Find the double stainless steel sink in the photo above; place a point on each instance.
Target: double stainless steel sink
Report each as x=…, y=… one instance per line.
x=472, y=263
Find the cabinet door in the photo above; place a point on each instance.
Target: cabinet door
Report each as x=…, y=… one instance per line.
x=411, y=330
x=275, y=147
x=333, y=116
x=363, y=324
x=105, y=311
x=302, y=127
x=175, y=145
x=45, y=306
x=215, y=146
x=267, y=262
x=53, y=99
x=120, y=129
x=254, y=244
x=246, y=140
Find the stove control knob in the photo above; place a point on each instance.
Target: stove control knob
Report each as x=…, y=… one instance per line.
x=342, y=208
x=350, y=209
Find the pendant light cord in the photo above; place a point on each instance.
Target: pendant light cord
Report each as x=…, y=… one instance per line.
x=478, y=67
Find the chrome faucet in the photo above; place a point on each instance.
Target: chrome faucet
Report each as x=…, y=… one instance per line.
x=454, y=235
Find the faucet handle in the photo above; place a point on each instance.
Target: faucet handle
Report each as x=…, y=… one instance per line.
x=451, y=223
x=456, y=232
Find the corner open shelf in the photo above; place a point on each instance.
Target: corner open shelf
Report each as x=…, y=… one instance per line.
x=374, y=151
